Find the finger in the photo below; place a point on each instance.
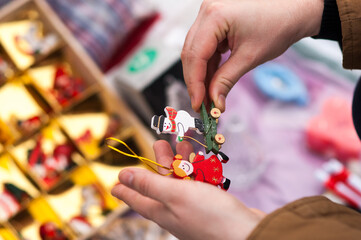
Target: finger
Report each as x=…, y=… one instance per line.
x=226, y=77
x=184, y=57
x=212, y=67
x=258, y=212
x=147, y=207
x=163, y=154
x=184, y=148
x=192, y=30
x=151, y=185
x=195, y=57
x=191, y=33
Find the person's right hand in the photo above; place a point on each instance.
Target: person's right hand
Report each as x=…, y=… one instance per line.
x=254, y=30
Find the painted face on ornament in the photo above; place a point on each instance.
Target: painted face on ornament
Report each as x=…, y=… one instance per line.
x=182, y=168
x=167, y=125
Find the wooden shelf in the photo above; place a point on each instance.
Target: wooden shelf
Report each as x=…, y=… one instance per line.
x=70, y=51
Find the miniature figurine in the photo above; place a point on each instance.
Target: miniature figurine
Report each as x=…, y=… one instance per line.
x=80, y=225
x=27, y=126
x=49, y=231
x=49, y=167
x=205, y=170
x=176, y=123
x=65, y=86
x=92, y=197
x=10, y=201
x=345, y=184
x=38, y=45
x=19, y=194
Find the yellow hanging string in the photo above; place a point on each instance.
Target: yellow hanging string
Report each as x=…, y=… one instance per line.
x=195, y=141
x=134, y=155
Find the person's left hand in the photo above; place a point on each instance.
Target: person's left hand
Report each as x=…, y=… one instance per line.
x=187, y=209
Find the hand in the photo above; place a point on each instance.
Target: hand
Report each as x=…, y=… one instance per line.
x=187, y=209
x=255, y=31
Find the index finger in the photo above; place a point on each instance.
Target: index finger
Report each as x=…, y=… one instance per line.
x=163, y=154
x=198, y=49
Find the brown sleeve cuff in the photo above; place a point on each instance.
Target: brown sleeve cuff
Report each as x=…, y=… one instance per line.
x=350, y=15
x=330, y=24
x=310, y=218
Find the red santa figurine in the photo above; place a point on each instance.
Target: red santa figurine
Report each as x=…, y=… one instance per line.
x=48, y=167
x=65, y=86
x=205, y=170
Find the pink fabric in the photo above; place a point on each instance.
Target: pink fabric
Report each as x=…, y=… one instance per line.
x=275, y=135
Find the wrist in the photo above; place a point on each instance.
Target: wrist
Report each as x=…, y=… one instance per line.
x=317, y=17
x=309, y=17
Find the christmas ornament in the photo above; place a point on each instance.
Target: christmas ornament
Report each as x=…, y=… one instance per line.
x=176, y=122
x=202, y=169
x=199, y=168
x=332, y=132
x=179, y=122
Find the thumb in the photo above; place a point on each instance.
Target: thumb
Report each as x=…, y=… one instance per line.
x=225, y=78
x=150, y=184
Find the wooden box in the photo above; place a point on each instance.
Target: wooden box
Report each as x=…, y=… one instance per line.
x=81, y=123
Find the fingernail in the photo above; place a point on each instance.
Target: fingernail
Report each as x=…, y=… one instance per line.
x=221, y=101
x=113, y=191
x=126, y=177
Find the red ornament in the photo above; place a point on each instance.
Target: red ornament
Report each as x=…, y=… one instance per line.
x=208, y=170
x=29, y=125
x=332, y=132
x=340, y=181
x=86, y=137
x=49, y=231
x=65, y=86
x=49, y=167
